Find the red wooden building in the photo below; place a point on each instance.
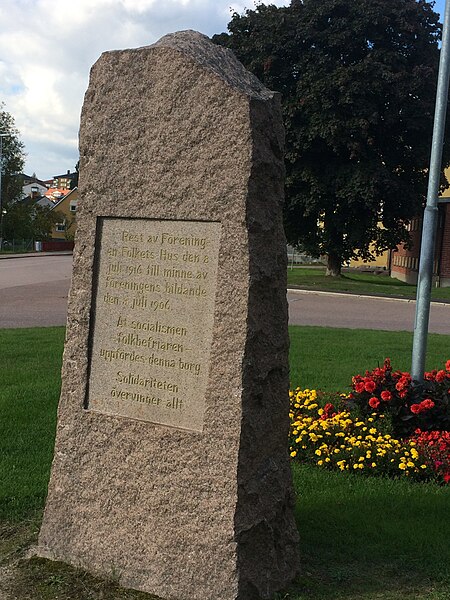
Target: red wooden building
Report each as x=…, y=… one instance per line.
x=405, y=263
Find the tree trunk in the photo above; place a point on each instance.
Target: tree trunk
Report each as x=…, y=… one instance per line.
x=333, y=265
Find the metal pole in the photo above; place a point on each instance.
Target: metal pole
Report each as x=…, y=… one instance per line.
x=2, y=135
x=1, y=205
x=431, y=209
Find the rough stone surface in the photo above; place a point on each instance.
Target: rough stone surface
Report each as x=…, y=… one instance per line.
x=180, y=131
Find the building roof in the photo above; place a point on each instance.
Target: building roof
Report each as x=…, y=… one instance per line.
x=56, y=194
x=75, y=189
x=30, y=179
x=68, y=175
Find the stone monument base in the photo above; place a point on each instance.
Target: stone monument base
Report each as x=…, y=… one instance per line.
x=171, y=467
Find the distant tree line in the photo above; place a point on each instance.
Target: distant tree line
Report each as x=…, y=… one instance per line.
x=19, y=220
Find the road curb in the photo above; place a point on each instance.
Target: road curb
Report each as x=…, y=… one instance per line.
x=36, y=254
x=347, y=294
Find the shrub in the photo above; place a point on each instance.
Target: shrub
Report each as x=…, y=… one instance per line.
x=410, y=405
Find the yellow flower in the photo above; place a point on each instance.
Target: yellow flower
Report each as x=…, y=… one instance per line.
x=294, y=453
x=318, y=452
x=402, y=466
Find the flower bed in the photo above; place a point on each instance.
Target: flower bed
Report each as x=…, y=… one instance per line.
x=386, y=426
x=411, y=405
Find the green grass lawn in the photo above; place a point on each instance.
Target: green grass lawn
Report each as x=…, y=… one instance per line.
x=327, y=358
x=361, y=538
x=371, y=538
x=359, y=283
x=30, y=365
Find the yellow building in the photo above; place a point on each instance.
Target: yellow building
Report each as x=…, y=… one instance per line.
x=379, y=262
x=446, y=192
x=67, y=206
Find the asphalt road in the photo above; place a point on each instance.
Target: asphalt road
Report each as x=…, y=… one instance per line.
x=33, y=293
x=355, y=312
x=33, y=290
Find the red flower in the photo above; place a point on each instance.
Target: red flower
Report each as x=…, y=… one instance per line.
x=441, y=375
x=328, y=411
x=401, y=383
x=416, y=409
x=378, y=372
x=359, y=387
x=447, y=477
x=447, y=365
x=386, y=395
x=431, y=376
x=370, y=385
x=426, y=404
x=374, y=402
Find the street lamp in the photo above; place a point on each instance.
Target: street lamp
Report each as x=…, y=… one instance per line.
x=2, y=135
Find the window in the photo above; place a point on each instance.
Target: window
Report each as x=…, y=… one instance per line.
x=61, y=227
x=73, y=206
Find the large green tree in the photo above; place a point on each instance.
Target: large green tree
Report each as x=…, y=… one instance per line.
x=12, y=160
x=358, y=83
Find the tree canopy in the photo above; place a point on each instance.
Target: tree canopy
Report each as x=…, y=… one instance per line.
x=28, y=221
x=358, y=82
x=12, y=160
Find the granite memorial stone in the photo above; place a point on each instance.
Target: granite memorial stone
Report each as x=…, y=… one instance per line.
x=171, y=464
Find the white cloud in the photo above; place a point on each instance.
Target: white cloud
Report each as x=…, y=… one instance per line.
x=47, y=48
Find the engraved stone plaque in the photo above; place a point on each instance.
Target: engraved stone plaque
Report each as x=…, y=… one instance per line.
x=153, y=319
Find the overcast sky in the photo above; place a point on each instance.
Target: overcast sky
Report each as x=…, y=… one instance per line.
x=48, y=46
